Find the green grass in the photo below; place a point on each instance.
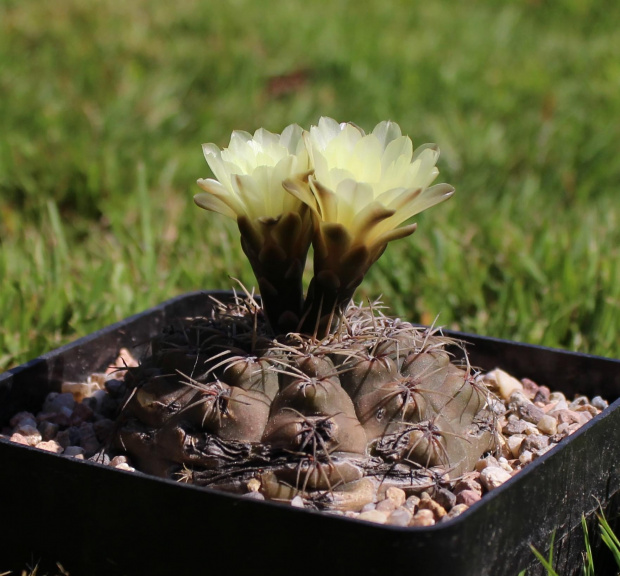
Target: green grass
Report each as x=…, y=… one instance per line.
x=105, y=105
x=607, y=536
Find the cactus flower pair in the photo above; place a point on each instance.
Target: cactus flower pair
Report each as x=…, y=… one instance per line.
x=334, y=186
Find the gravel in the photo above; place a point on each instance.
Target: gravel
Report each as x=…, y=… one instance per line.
x=79, y=421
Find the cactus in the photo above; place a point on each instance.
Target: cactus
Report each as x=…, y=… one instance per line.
x=310, y=397
x=221, y=403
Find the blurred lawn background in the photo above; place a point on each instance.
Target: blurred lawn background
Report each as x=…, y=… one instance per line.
x=104, y=106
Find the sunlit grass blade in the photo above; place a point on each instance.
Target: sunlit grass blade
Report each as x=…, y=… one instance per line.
x=588, y=559
x=609, y=537
x=546, y=562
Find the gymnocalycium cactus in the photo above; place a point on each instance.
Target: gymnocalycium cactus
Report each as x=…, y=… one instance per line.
x=315, y=398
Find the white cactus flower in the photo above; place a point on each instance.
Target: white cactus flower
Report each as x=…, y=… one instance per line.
x=368, y=184
x=249, y=174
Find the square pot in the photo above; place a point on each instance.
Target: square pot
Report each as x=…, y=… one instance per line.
x=94, y=519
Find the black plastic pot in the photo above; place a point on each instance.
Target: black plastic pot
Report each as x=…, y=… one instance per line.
x=98, y=520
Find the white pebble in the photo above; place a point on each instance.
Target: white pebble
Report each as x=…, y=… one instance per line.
x=493, y=476
x=504, y=382
x=400, y=517
x=297, y=502
x=548, y=425
x=375, y=516
x=504, y=464
x=599, y=403
x=557, y=397
x=514, y=444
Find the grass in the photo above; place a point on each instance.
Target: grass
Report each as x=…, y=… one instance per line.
x=104, y=110
x=606, y=534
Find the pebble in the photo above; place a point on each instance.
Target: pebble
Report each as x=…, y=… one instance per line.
x=50, y=446
x=396, y=495
x=557, y=397
x=588, y=409
x=530, y=413
x=534, y=443
x=469, y=482
x=126, y=467
x=100, y=458
x=423, y=517
x=23, y=419
x=122, y=459
x=543, y=450
x=368, y=507
x=542, y=395
x=579, y=401
x=376, y=516
x=445, y=498
x=254, y=496
x=31, y=433
x=530, y=388
x=493, y=476
x=467, y=497
x=559, y=405
x=427, y=503
x=88, y=438
x=69, y=437
x=400, y=517
x=55, y=402
x=568, y=416
x=504, y=464
x=19, y=439
x=457, y=511
x=412, y=502
x=81, y=413
x=504, y=382
x=48, y=430
x=514, y=444
x=486, y=462
x=599, y=403
x=386, y=505
x=79, y=390
x=298, y=502
x=61, y=418
x=515, y=427
x=525, y=457
x=563, y=428
x=74, y=451
x=103, y=429
x=547, y=425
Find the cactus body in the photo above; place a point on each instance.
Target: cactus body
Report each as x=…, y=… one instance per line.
x=221, y=403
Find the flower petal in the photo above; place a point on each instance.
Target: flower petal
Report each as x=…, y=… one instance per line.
x=386, y=132
x=299, y=188
x=214, y=204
